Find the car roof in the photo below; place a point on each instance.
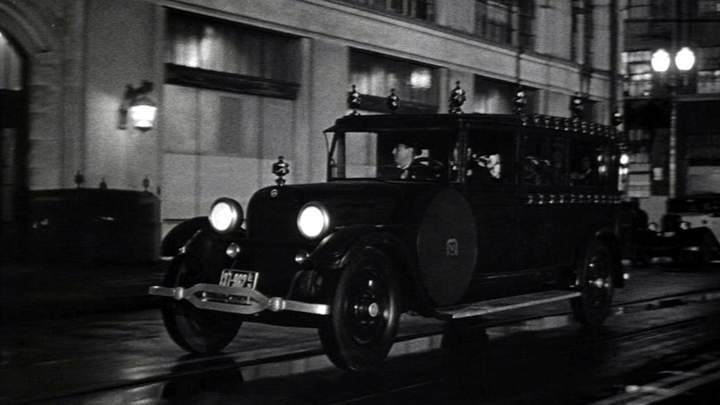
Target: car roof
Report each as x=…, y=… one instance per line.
x=453, y=122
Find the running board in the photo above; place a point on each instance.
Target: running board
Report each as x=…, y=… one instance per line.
x=504, y=304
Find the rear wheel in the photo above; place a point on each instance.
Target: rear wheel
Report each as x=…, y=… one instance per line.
x=365, y=312
x=195, y=330
x=595, y=283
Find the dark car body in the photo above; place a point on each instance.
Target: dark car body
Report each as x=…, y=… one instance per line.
x=687, y=233
x=693, y=222
x=516, y=212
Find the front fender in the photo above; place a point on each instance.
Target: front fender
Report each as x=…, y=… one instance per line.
x=334, y=250
x=180, y=234
x=338, y=248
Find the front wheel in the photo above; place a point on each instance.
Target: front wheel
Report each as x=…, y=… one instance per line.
x=195, y=330
x=595, y=283
x=365, y=312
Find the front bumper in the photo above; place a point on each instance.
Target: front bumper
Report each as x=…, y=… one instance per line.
x=243, y=301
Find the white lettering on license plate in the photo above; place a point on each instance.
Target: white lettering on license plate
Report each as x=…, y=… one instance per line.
x=239, y=279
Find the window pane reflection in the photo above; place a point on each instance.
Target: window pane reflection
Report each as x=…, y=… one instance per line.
x=376, y=75
x=210, y=44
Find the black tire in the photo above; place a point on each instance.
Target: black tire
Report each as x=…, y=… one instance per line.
x=195, y=330
x=596, y=284
x=358, y=335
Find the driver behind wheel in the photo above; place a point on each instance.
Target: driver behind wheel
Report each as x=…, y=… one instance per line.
x=407, y=156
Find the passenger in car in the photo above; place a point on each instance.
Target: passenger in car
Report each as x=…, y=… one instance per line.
x=412, y=165
x=583, y=175
x=483, y=168
x=537, y=171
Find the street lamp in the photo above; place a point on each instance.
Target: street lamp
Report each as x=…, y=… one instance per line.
x=660, y=62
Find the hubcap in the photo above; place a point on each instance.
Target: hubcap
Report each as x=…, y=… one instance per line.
x=598, y=281
x=373, y=310
x=366, y=313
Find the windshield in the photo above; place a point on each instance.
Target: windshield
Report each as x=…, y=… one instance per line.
x=410, y=156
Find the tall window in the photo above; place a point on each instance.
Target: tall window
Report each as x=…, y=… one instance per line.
x=215, y=45
x=227, y=84
x=708, y=74
x=638, y=9
x=582, y=31
x=648, y=9
x=420, y=9
x=637, y=73
x=10, y=66
x=229, y=110
x=12, y=142
x=500, y=20
x=526, y=22
x=493, y=20
x=496, y=96
x=375, y=75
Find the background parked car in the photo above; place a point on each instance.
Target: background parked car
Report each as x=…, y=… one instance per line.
x=686, y=235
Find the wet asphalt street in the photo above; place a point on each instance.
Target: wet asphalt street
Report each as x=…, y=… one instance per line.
x=662, y=344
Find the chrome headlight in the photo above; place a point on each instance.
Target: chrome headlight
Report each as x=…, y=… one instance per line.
x=684, y=225
x=653, y=227
x=313, y=220
x=226, y=215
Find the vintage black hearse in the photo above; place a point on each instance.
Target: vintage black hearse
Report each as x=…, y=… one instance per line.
x=493, y=212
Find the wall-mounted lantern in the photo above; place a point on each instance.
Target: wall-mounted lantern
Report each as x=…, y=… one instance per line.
x=138, y=108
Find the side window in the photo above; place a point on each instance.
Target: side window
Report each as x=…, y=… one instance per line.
x=412, y=155
x=360, y=160
x=488, y=157
x=543, y=160
x=587, y=167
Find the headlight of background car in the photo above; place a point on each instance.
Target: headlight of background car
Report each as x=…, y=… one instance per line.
x=684, y=225
x=226, y=215
x=313, y=220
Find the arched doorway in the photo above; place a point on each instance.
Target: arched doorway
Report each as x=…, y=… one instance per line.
x=13, y=146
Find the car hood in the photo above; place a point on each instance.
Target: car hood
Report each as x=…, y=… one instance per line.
x=349, y=202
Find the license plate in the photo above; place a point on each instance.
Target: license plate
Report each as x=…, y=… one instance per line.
x=239, y=278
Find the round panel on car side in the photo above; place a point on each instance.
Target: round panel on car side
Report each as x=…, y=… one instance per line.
x=446, y=247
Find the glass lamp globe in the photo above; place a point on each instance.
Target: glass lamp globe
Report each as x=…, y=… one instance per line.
x=660, y=61
x=685, y=59
x=142, y=113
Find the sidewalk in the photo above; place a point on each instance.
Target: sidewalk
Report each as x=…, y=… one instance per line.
x=50, y=290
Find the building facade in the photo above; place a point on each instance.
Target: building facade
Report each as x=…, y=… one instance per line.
x=238, y=83
x=681, y=157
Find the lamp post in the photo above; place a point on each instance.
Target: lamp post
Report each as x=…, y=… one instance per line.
x=661, y=62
